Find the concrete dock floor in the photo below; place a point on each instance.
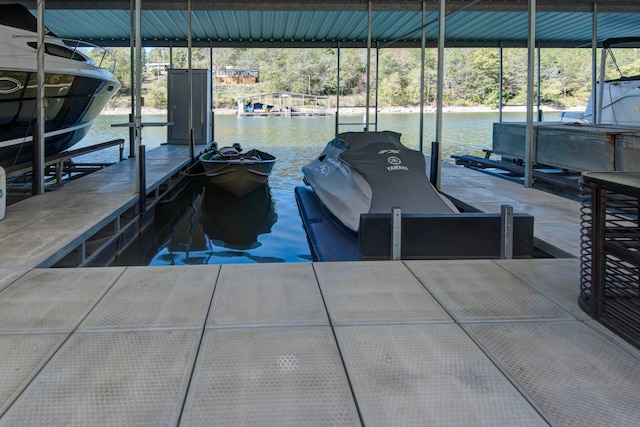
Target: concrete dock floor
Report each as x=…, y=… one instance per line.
x=364, y=343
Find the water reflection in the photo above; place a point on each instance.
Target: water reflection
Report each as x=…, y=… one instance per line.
x=205, y=225
x=236, y=223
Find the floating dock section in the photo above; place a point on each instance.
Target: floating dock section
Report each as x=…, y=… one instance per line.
x=284, y=104
x=89, y=220
x=574, y=146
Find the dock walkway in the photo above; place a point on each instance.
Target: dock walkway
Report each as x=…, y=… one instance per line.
x=557, y=219
x=41, y=230
x=357, y=343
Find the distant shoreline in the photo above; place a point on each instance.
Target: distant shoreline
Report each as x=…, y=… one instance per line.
x=384, y=110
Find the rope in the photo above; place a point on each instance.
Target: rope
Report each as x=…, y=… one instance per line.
x=186, y=171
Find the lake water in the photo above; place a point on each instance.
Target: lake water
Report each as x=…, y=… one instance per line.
x=204, y=225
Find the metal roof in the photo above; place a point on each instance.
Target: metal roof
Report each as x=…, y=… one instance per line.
x=325, y=23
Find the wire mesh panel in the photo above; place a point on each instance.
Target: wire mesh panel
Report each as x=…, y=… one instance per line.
x=610, y=251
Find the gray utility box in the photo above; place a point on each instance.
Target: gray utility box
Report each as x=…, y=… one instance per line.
x=178, y=112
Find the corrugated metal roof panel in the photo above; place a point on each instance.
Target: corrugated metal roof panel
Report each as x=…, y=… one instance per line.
x=304, y=26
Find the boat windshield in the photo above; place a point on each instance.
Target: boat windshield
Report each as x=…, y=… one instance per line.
x=61, y=51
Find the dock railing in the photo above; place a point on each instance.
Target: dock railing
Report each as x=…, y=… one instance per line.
x=57, y=161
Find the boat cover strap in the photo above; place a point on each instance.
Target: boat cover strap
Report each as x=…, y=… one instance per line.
x=395, y=173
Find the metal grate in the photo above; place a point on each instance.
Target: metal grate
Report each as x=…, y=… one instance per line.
x=610, y=254
x=270, y=376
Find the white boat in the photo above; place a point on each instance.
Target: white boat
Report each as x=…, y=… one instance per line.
x=372, y=172
x=618, y=100
x=236, y=171
x=75, y=89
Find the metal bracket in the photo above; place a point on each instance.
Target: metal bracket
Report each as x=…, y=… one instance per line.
x=396, y=233
x=506, y=232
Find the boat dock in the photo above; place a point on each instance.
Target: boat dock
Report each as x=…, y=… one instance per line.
x=482, y=342
x=72, y=226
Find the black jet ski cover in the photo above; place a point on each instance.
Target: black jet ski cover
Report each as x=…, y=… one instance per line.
x=396, y=174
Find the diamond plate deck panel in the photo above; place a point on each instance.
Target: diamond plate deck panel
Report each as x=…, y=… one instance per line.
x=374, y=292
x=481, y=290
x=27, y=211
x=612, y=336
x=116, y=378
x=82, y=215
x=53, y=300
x=29, y=249
x=429, y=374
x=159, y=297
x=9, y=275
x=287, y=376
x=267, y=294
x=557, y=279
x=577, y=376
x=21, y=356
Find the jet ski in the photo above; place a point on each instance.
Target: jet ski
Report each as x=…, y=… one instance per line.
x=372, y=172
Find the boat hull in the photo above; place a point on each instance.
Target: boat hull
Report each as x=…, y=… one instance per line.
x=238, y=176
x=75, y=91
x=69, y=115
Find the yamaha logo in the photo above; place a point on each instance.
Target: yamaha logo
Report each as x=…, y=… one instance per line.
x=393, y=160
x=396, y=164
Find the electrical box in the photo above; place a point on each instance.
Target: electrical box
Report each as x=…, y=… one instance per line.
x=178, y=110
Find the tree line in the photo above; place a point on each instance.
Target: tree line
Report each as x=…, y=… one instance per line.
x=471, y=75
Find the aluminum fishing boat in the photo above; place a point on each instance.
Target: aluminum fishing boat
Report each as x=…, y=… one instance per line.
x=236, y=171
x=75, y=89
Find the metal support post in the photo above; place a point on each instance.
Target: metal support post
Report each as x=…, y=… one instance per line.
x=422, y=72
x=212, y=126
x=528, y=155
x=368, y=85
x=132, y=75
x=142, y=189
x=375, y=106
x=132, y=135
x=539, y=85
x=38, y=141
x=433, y=170
x=501, y=80
x=138, y=89
x=191, y=144
x=506, y=232
x=190, y=65
x=440, y=91
x=338, y=89
x=594, y=62
x=396, y=233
